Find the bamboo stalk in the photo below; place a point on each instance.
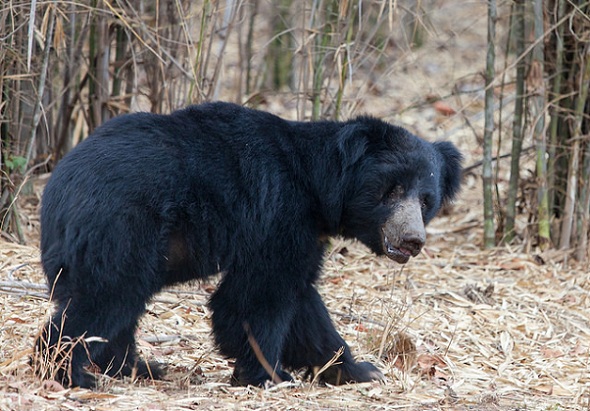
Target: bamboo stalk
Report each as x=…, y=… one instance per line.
x=65, y=109
x=212, y=16
x=519, y=36
x=121, y=41
x=567, y=221
x=489, y=231
x=229, y=18
x=584, y=213
x=555, y=114
x=306, y=56
x=279, y=56
x=320, y=55
x=249, y=46
x=538, y=113
x=31, y=33
x=345, y=69
x=92, y=57
x=197, y=66
x=41, y=87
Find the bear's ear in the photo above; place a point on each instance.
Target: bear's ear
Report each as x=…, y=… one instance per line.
x=451, y=169
x=352, y=143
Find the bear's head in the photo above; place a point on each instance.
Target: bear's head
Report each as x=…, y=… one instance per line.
x=398, y=182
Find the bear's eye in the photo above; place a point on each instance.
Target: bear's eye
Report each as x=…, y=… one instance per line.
x=425, y=202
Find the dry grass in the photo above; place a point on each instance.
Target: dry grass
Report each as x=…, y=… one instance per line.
x=456, y=328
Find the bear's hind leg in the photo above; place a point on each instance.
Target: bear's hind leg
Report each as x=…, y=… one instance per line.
x=119, y=358
x=60, y=357
x=82, y=332
x=313, y=341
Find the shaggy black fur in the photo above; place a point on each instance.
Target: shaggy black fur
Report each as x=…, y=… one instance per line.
x=148, y=201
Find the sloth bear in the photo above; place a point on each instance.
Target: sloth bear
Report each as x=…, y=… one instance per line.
x=148, y=201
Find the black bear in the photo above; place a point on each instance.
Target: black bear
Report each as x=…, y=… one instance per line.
x=149, y=200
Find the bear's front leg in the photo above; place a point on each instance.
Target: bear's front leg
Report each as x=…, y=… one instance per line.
x=313, y=341
x=251, y=319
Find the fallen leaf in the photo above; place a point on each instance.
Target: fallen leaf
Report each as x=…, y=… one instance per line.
x=514, y=264
x=403, y=350
x=579, y=349
x=361, y=328
x=52, y=386
x=334, y=280
x=544, y=388
x=443, y=108
x=431, y=365
x=17, y=320
x=551, y=352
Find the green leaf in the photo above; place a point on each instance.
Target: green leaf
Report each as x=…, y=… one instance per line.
x=17, y=163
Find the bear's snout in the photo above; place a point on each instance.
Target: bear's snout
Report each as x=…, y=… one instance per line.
x=404, y=233
x=412, y=244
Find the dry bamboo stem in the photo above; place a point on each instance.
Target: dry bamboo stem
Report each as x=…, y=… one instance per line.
x=489, y=231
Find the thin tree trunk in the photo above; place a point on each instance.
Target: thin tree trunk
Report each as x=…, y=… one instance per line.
x=537, y=86
x=347, y=14
x=279, y=57
x=196, y=89
x=519, y=35
x=41, y=87
x=584, y=214
x=229, y=19
x=554, y=138
x=122, y=42
x=63, y=141
x=320, y=55
x=570, y=196
x=584, y=220
x=250, y=46
x=487, y=175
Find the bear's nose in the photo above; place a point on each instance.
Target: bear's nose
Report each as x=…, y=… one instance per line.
x=413, y=243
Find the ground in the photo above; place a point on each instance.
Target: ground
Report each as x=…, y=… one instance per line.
x=457, y=328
